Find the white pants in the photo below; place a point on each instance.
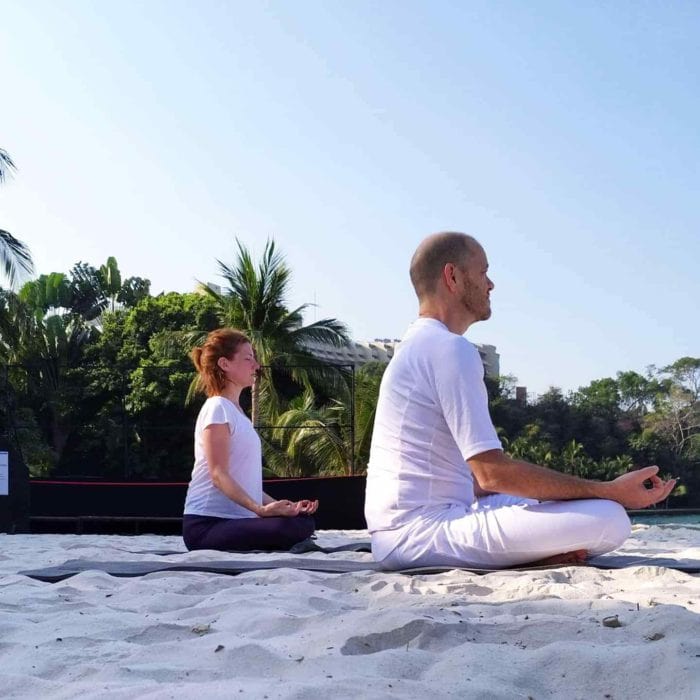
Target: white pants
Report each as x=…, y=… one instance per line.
x=501, y=531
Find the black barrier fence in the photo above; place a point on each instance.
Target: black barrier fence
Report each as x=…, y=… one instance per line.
x=133, y=507
x=100, y=423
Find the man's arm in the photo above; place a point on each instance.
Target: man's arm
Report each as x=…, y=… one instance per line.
x=478, y=491
x=497, y=472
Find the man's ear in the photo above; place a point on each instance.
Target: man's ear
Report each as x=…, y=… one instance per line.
x=448, y=276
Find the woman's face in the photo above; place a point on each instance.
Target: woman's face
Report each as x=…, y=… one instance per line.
x=241, y=368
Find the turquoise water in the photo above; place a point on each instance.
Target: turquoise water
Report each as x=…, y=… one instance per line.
x=680, y=519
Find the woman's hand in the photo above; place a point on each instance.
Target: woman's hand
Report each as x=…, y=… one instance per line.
x=307, y=507
x=277, y=509
x=287, y=509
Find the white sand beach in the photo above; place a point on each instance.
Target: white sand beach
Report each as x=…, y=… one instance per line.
x=297, y=634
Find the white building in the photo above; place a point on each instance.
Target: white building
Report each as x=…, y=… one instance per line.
x=359, y=353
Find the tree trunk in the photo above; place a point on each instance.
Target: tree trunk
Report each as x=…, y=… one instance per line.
x=59, y=436
x=255, y=404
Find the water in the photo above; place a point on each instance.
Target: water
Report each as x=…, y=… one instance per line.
x=666, y=519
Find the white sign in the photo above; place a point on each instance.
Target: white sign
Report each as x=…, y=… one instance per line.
x=4, y=474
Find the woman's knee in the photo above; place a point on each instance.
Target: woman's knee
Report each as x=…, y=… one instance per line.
x=190, y=536
x=304, y=526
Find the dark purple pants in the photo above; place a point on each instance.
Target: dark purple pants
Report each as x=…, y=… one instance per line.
x=245, y=534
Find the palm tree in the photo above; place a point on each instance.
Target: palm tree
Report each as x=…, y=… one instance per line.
x=333, y=438
x=87, y=292
x=16, y=322
x=111, y=281
x=315, y=440
x=47, y=347
x=14, y=255
x=254, y=302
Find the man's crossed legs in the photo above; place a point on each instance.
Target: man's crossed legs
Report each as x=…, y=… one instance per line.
x=499, y=531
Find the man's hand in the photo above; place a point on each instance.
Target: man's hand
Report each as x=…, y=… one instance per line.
x=629, y=489
x=495, y=471
x=287, y=509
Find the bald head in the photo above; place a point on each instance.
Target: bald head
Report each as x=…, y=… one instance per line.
x=433, y=254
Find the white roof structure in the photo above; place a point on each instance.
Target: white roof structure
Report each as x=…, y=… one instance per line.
x=360, y=352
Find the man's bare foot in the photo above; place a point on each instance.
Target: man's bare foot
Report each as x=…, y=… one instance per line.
x=578, y=556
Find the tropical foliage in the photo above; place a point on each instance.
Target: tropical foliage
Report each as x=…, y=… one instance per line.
x=604, y=429
x=14, y=255
x=331, y=437
x=95, y=375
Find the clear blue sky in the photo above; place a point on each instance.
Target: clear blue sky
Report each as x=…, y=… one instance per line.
x=562, y=135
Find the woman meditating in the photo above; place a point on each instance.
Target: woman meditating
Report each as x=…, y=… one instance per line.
x=225, y=507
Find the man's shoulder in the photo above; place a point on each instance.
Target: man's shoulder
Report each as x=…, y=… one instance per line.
x=426, y=335
x=432, y=351
x=452, y=342
x=429, y=330
x=455, y=354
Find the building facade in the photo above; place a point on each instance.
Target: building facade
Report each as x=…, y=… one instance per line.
x=359, y=353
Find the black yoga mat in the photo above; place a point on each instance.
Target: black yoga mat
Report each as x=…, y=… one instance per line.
x=303, y=547
x=334, y=566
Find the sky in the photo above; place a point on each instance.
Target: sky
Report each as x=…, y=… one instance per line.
x=563, y=136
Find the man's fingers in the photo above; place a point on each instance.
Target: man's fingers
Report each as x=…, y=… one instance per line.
x=647, y=472
x=657, y=483
x=664, y=491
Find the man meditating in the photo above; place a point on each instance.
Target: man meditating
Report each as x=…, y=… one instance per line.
x=440, y=490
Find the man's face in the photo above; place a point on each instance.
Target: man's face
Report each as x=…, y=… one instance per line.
x=476, y=286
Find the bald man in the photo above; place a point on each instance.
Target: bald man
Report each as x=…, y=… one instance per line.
x=440, y=490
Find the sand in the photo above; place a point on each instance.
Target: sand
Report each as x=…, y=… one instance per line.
x=297, y=634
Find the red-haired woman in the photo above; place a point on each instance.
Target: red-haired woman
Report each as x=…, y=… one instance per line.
x=226, y=508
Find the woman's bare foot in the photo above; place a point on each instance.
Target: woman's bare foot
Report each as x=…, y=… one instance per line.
x=578, y=556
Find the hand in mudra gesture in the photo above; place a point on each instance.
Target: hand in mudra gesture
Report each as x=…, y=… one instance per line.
x=630, y=490
x=288, y=509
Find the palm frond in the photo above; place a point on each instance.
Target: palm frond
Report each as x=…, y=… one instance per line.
x=274, y=276
x=327, y=330
x=87, y=296
x=7, y=165
x=14, y=256
x=316, y=436
x=192, y=390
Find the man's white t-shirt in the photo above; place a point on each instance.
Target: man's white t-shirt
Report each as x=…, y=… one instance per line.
x=244, y=464
x=432, y=415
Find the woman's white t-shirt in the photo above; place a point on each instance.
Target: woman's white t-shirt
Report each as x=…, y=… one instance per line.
x=244, y=463
x=432, y=416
